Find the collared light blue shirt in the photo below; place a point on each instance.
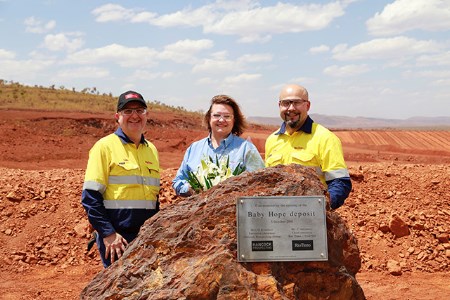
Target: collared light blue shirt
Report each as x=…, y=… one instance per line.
x=236, y=148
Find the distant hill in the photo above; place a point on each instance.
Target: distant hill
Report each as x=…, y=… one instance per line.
x=14, y=95
x=341, y=122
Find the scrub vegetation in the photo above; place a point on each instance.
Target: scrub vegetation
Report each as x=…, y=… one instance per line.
x=14, y=95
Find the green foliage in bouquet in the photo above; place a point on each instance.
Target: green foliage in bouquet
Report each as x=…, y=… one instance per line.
x=211, y=172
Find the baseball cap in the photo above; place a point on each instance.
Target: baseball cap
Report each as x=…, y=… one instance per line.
x=128, y=97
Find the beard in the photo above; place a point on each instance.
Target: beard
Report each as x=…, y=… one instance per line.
x=293, y=124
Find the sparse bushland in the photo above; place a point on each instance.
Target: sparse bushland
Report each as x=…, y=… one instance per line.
x=14, y=95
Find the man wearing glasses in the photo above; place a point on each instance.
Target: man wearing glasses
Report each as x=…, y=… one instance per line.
x=121, y=184
x=300, y=140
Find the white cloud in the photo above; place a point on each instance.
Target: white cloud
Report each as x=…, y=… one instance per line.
x=281, y=18
x=302, y=80
x=319, y=49
x=38, y=55
x=405, y=15
x=63, y=41
x=346, y=71
x=83, y=72
x=219, y=62
x=386, y=92
x=215, y=66
x=205, y=81
x=255, y=58
x=5, y=54
x=113, y=12
x=442, y=83
x=186, y=17
x=34, y=25
x=255, y=38
x=427, y=74
x=115, y=54
x=388, y=48
x=220, y=54
x=147, y=75
x=241, y=78
x=231, y=5
x=246, y=19
x=439, y=59
x=165, y=75
x=183, y=51
x=23, y=69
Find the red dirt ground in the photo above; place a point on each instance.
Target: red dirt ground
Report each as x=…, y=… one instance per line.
x=43, y=228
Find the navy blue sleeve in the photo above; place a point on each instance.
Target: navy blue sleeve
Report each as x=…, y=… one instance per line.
x=92, y=202
x=339, y=189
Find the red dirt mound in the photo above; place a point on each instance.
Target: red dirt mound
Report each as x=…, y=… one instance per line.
x=399, y=208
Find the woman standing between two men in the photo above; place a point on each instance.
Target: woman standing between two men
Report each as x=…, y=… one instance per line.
x=298, y=140
x=225, y=123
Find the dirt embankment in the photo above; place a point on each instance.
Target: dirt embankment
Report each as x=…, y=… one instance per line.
x=399, y=208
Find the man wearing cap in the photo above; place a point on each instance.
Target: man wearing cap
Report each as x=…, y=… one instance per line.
x=301, y=140
x=121, y=184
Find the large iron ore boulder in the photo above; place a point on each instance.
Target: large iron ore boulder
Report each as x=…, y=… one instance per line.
x=188, y=250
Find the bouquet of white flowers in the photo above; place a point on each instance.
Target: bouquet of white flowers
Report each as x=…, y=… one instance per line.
x=210, y=173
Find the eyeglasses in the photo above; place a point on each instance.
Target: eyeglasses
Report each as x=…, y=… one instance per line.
x=219, y=116
x=129, y=111
x=296, y=103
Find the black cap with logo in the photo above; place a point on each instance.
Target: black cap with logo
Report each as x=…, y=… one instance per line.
x=128, y=97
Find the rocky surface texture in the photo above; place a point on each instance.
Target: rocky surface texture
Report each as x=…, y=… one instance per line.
x=43, y=224
x=401, y=212
x=44, y=231
x=189, y=250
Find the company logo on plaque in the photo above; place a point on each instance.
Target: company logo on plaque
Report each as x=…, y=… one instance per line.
x=302, y=245
x=262, y=245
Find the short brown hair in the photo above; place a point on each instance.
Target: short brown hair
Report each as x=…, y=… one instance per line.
x=239, y=120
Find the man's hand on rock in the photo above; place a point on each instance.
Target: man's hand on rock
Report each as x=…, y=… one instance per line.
x=115, y=246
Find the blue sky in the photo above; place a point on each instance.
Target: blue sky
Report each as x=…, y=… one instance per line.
x=369, y=58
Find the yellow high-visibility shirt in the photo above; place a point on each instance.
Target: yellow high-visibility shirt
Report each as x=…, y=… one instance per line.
x=126, y=176
x=321, y=149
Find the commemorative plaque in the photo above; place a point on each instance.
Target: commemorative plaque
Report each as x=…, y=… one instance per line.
x=287, y=228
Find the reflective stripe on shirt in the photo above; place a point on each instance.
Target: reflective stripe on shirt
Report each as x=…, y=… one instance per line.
x=95, y=186
x=134, y=179
x=130, y=204
x=330, y=175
